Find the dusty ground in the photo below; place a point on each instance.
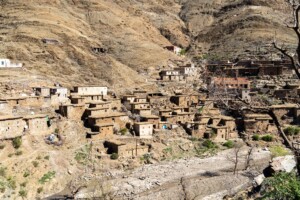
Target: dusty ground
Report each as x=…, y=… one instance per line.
x=194, y=178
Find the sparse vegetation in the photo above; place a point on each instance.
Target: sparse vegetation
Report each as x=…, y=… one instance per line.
x=267, y=138
x=47, y=177
x=2, y=146
x=23, y=184
x=17, y=142
x=18, y=153
x=39, y=190
x=23, y=193
x=11, y=182
x=281, y=186
x=47, y=157
x=114, y=156
x=82, y=155
x=256, y=137
x=26, y=174
x=229, y=144
x=209, y=144
x=2, y=171
x=35, y=163
x=278, y=151
x=292, y=130
x=123, y=131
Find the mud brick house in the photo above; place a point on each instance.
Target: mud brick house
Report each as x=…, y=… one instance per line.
x=231, y=83
x=179, y=109
x=184, y=117
x=187, y=69
x=196, y=129
x=128, y=98
x=14, y=101
x=164, y=125
x=60, y=92
x=72, y=111
x=165, y=112
x=96, y=111
x=172, y=119
x=34, y=101
x=11, y=126
x=174, y=49
x=118, y=119
x=229, y=122
x=115, y=104
x=202, y=118
x=286, y=113
x=90, y=90
x=285, y=93
x=153, y=119
x=140, y=93
x=143, y=129
x=140, y=100
x=42, y=91
x=181, y=100
x=142, y=111
x=139, y=105
x=77, y=100
x=158, y=99
x=171, y=75
x=259, y=124
x=37, y=124
x=101, y=130
x=222, y=134
x=125, y=149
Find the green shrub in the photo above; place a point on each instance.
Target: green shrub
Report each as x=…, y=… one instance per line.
x=10, y=155
x=35, y=163
x=123, y=131
x=256, y=137
x=26, y=174
x=23, y=184
x=267, y=138
x=23, y=193
x=2, y=146
x=209, y=144
x=47, y=157
x=11, y=183
x=18, y=153
x=278, y=151
x=17, y=142
x=281, y=186
x=292, y=130
x=114, y=156
x=47, y=177
x=229, y=144
x=39, y=190
x=2, y=171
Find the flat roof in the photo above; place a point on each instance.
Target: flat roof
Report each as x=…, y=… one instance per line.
x=13, y=98
x=9, y=117
x=104, y=108
x=285, y=106
x=150, y=116
x=143, y=123
x=90, y=86
x=103, y=124
x=113, y=114
x=35, y=116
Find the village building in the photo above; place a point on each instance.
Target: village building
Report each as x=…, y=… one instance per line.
x=171, y=75
x=139, y=105
x=128, y=98
x=125, y=149
x=72, y=111
x=259, y=124
x=230, y=83
x=77, y=100
x=286, y=113
x=165, y=112
x=118, y=119
x=140, y=93
x=184, y=117
x=101, y=130
x=220, y=133
x=143, y=129
x=90, y=90
x=184, y=100
x=142, y=111
x=6, y=63
x=174, y=49
x=42, y=91
x=153, y=119
x=115, y=104
x=11, y=126
x=14, y=101
x=37, y=124
x=196, y=129
x=96, y=111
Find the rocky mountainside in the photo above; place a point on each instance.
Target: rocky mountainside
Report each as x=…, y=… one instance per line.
x=133, y=34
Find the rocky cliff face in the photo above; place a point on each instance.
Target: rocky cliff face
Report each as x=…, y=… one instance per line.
x=132, y=33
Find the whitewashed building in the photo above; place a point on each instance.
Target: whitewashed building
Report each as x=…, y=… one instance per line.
x=6, y=63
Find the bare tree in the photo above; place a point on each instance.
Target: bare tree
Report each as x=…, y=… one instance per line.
x=249, y=158
x=294, y=56
x=235, y=159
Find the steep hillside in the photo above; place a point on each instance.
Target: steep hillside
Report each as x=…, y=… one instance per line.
x=133, y=33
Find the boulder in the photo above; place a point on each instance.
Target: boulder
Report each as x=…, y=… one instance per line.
x=283, y=164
